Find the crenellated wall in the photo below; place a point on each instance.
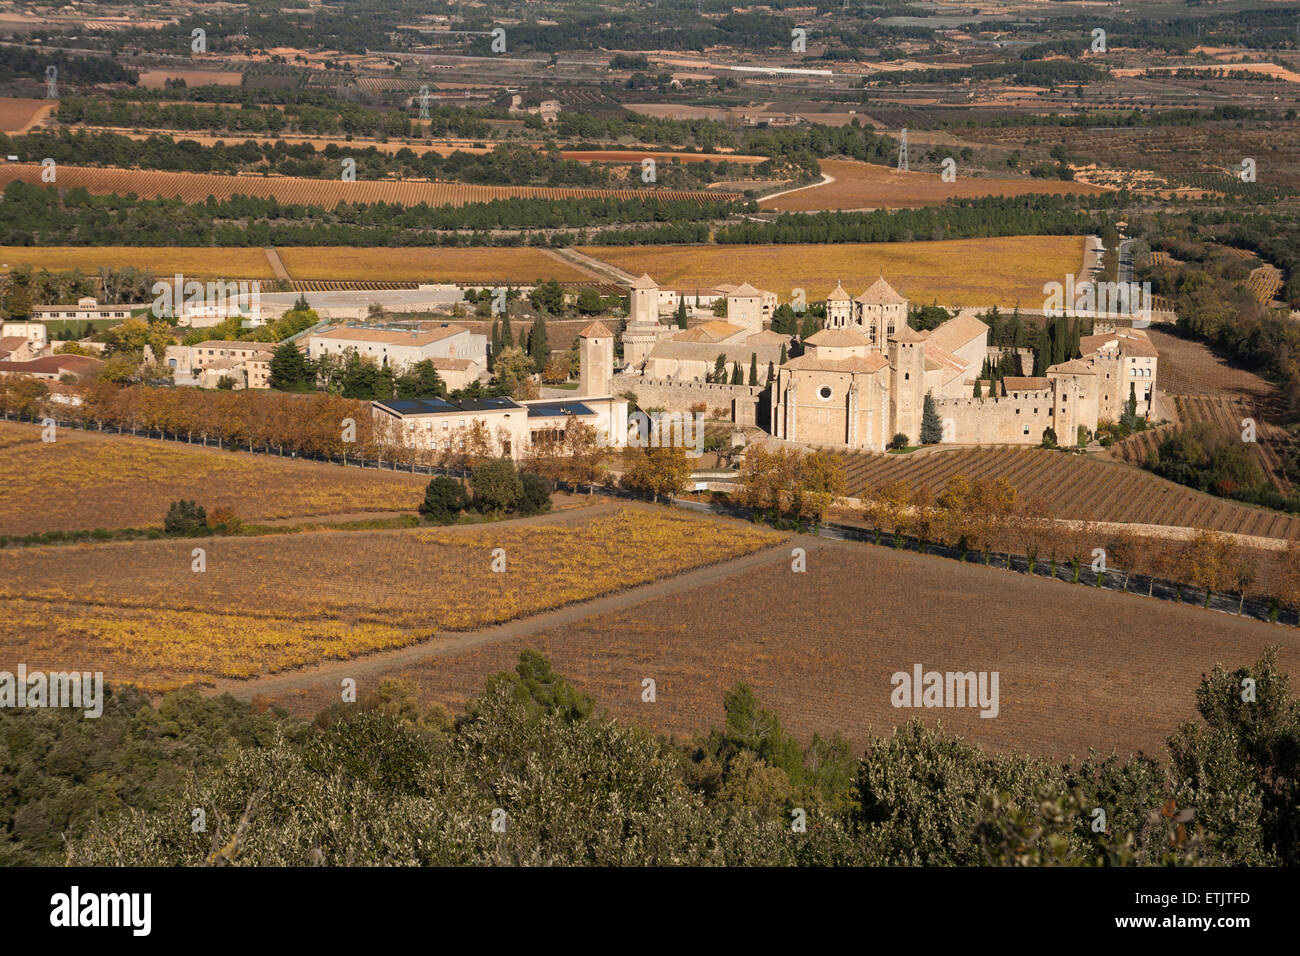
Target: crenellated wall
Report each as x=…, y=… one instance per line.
x=680, y=396
x=984, y=421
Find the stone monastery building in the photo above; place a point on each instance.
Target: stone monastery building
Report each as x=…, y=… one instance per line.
x=864, y=377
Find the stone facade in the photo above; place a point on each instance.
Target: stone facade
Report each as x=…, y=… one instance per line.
x=596, y=358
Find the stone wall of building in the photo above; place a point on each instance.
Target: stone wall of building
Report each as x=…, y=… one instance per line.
x=984, y=421
x=742, y=400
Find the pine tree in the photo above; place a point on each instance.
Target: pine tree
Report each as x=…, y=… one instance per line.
x=753, y=368
x=931, y=427
x=289, y=369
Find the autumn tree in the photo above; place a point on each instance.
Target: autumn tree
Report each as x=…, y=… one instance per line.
x=1207, y=562
x=890, y=506
x=513, y=372
x=660, y=471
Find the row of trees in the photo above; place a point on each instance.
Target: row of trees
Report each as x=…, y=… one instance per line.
x=785, y=482
x=983, y=516
x=42, y=214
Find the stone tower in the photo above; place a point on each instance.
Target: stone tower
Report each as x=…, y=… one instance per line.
x=596, y=360
x=839, y=308
x=906, y=384
x=643, y=306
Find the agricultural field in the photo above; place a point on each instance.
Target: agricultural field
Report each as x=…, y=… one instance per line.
x=1072, y=487
x=156, y=79
x=858, y=185
x=823, y=661
x=1005, y=271
x=1189, y=368
x=20, y=115
x=197, y=187
x=1226, y=414
x=88, y=480
x=483, y=264
x=193, y=262
x=138, y=612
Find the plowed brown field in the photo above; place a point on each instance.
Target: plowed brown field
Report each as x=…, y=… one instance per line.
x=20, y=115
x=1078, y=668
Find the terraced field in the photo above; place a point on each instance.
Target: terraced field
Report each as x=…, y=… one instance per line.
x=196, y=187
x=1226, y=414
x=1069, y=486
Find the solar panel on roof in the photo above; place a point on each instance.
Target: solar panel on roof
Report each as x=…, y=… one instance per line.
x=419, y=406
x=553, y=409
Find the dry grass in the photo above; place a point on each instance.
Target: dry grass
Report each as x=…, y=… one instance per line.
x=970, y=272
x=861, y=185
x=87, y=480
x=196, y=262
x=519, y=265
x=137, y=612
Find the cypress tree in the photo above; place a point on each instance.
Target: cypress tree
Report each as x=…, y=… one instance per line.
x=931, y=427
x=1042, y=354
x=681, y=312
x=771, y=372
x=753, y=368
x=736, y=377
x=785, y=357
x=720, y=369
x=538, y=349
x=507, y=330
x=979, y=392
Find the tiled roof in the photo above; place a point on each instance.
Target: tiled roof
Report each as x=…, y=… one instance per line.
x=855, y=363
x=957, y=331
x=881, y=293
x=837, y=338
x=389, y=336
x=1026, y=383
x=597, y=330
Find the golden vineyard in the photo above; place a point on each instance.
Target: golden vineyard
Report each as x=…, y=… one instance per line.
x=197, y=187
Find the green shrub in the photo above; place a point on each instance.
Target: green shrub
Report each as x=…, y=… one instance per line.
x=444, y=498
x=536, y=498
x=186, y=518
x=496, y=485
